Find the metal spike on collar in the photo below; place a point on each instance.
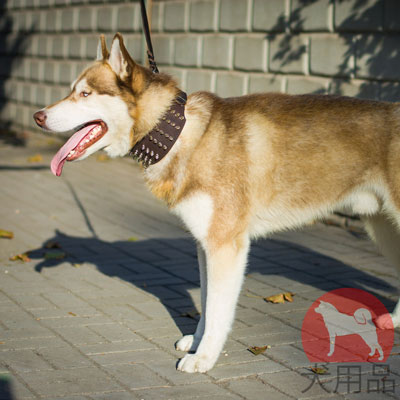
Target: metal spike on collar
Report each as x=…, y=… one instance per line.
x=147, y=151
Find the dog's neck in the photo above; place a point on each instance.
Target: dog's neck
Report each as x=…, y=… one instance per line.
x=160, y=138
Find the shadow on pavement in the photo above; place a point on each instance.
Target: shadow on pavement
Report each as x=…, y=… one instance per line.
x=23, y=167
x=5, y=389
x=164, y=266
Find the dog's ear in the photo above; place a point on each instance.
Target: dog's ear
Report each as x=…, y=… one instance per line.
x=102, y=52
x=120, y=60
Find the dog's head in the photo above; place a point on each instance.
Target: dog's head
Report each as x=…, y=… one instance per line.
x=103, y=107
x=324, y=308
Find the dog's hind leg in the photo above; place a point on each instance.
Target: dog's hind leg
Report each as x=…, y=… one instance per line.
x=386, y=234
x=191, y=342
x=225, y=271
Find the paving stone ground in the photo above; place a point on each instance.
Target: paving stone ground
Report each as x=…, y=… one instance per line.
x=101, y=323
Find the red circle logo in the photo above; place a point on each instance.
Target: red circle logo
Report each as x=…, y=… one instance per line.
x=340, y=327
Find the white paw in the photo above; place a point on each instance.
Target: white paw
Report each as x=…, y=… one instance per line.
x=196, y=363
x=187, y=343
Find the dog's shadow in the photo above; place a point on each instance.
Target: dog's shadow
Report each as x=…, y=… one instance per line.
x=167, y=268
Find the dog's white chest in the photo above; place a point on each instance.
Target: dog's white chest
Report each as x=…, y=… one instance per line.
x=196, y=212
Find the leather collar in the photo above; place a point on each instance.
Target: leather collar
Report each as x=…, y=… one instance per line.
x=159, y=141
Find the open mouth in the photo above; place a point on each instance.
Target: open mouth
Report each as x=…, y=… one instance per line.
x=83, y=138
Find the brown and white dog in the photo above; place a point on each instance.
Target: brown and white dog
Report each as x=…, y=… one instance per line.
x=242, y=167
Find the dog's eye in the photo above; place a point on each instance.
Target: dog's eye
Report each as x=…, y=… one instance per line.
x=84, y=94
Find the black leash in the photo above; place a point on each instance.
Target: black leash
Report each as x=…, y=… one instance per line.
x=146, y=29
x=159, y=141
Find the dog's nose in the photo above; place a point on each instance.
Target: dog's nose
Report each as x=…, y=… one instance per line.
x=40, y=118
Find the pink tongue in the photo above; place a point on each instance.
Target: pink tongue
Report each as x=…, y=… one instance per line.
x=59, y=159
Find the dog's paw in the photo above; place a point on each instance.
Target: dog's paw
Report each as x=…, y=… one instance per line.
x=385, y=321
x=187, y=343
x=195, y=363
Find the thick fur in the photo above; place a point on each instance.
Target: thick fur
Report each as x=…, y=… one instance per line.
x=244, y=167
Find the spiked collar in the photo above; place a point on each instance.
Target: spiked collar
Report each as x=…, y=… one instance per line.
x=159, y=141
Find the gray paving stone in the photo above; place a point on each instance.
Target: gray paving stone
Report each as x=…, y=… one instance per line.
x=293, y=384
x=254, y=389
x=240, y=370
x=104, y=348
x=145, y=356
x=64, y=357
x=196, y=390
x=32, y=343
x=23, y=361
x=78, y=335
x=235, y=356
x=114, y=396
x=114, y=332
x=69, y=381
x=135, y=376
x=288, y=355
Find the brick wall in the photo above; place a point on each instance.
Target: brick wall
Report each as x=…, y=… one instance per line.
x=231, y=47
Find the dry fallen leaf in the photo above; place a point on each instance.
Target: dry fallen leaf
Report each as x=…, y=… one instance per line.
x=6, y=234
x=102, y=158
x=258, y=350
x=133, y=239
x=20, y=257
x=52, y=245
x=36, y=158
x=76, y=265
x=280, y=298
x=71, y=313
x=54, y=255
x=288, y=296
x=319, y=370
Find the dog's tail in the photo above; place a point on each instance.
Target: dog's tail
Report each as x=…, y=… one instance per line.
x=362, y=316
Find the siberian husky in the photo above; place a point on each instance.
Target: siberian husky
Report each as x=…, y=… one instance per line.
x=242, y=167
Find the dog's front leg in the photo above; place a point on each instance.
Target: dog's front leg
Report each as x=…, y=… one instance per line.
x=191, y=342
x=225, y=271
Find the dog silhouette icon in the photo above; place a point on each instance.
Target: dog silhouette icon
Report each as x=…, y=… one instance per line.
x=340, y=324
